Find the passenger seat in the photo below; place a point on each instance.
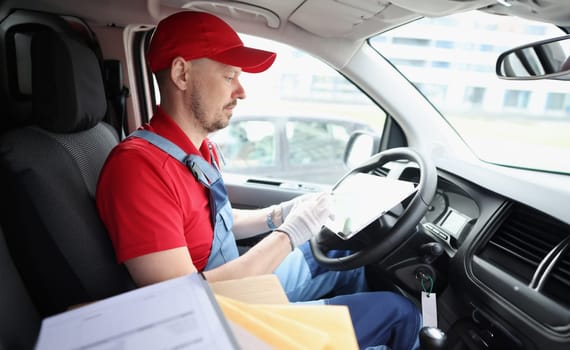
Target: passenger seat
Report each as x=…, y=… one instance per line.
x=50, y=172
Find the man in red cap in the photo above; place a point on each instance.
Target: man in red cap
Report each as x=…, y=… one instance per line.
x=165, y=206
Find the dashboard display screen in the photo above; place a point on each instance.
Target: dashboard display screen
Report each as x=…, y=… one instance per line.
x=453, y=222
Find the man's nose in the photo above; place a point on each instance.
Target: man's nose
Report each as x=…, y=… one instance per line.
x=239, y=91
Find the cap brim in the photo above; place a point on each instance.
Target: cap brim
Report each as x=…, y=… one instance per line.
x=250, y=60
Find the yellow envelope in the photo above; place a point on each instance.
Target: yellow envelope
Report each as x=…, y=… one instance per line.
x=332, y=319
x=277, y=331
x=294, y=326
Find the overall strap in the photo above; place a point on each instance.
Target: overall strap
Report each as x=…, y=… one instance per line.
x=204, y=171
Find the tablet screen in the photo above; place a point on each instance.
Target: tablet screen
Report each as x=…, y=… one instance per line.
x=362, y=198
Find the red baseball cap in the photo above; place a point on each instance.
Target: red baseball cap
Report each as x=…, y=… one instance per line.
x=194, y=35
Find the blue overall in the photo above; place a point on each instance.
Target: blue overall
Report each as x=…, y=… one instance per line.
x=378, y=317
x=224, y=246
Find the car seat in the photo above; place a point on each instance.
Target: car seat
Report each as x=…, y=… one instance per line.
x=50, y=171
x=19, y=319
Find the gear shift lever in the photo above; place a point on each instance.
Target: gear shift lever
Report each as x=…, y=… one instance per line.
x=432, y=338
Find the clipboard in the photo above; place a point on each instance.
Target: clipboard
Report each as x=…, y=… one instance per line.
x=361, y=198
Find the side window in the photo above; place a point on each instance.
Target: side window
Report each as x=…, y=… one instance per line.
x=248, y=144
x=311, y=111
x=314, y=142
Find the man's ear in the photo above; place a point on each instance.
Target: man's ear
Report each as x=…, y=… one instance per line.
x=179, y=72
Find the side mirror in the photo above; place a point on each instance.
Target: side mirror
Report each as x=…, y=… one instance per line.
x=360, y=146
x=546, y=59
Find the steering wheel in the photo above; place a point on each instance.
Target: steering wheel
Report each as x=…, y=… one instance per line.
x=393, y=233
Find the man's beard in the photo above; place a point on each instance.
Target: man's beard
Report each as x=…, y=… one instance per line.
x=219, y=121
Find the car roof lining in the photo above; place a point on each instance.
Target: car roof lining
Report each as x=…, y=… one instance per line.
x=349, y=19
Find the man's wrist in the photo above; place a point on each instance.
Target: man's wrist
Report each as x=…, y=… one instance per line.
x=289, y=238
x=269, y=218
x=277, y=215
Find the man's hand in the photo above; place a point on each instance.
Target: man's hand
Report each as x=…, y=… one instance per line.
x=306, y=217
x=283, y=209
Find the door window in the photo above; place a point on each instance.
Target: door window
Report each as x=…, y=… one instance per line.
x=247, y=145
x=313, y=142
x=312, y=110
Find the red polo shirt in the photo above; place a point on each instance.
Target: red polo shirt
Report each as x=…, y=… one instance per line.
x=151, y=202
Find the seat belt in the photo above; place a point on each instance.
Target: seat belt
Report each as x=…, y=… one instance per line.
x=117, y=94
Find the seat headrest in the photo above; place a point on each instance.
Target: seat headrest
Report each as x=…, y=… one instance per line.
x=68, y=94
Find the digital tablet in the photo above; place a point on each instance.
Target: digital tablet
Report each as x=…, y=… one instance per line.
x=361, y=198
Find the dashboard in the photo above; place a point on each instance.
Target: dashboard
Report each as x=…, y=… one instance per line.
x=506, y=265
x=503, y=279
x=451, y=215
x=457, y=210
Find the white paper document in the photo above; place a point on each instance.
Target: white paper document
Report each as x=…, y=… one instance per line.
x=362, y=198
x=181, y=313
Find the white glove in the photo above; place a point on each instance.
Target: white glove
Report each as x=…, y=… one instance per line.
x=307, y=217
x=284, y=208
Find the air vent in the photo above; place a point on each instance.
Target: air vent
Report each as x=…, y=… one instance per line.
x=557, y=285
x=523, y=242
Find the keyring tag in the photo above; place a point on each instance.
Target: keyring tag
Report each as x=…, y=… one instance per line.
x=429, y=309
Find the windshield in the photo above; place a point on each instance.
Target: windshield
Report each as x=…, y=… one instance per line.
x=451, y=60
